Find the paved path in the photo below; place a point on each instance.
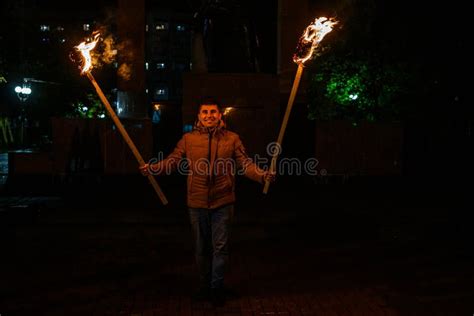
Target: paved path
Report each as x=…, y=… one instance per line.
x=333, y=252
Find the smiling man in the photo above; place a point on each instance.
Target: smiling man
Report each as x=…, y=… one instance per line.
x=209, y=115
x=213, y=155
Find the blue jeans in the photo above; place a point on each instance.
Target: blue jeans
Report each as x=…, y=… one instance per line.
x=211, y=230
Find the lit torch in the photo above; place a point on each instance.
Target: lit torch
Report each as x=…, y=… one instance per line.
x=85, y=49
x=307, y=44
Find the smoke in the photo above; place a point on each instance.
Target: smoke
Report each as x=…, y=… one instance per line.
x=126, y=59
x=110, y=52
x=125, y=71
x=107, y=53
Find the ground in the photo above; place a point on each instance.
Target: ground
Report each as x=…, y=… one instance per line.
x=309, y=247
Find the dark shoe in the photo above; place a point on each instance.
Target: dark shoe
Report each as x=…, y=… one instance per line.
x=202, y=294
x=217, y=297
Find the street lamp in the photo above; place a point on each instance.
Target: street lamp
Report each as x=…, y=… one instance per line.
x=23, y=92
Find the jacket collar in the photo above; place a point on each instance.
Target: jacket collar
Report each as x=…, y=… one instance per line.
x=219, y=129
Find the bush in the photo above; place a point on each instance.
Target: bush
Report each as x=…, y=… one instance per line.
x=358, y=89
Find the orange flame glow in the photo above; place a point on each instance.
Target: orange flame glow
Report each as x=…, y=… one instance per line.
x=311, y=38
x=227, y=110
x=85, y=49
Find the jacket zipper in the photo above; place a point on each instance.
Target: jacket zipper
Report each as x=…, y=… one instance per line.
x=209, y=177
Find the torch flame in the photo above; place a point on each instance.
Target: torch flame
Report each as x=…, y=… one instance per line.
x=311, y=38
x=85, y=49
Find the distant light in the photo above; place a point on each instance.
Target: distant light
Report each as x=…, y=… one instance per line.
x=227, y=110
x=102, y=115
x=180, y=28
x=146, y=28
x=146, y=65
x=44, y=28
x=156, y=106
x=119, y=108
x=86, y=27
x=160, y=65
x=353, y=96
x=161, y=26
x=187, y=128
x=23, y=90
x=85, y=108
x=161, y=94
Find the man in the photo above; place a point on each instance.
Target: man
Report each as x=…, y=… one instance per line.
x=212, y=154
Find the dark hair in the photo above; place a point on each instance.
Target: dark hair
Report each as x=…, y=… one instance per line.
x=209, y=100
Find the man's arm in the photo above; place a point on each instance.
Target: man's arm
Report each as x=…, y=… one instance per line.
x=167, y=165
x=250, y=169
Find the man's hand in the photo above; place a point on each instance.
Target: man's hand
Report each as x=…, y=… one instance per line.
x=145, y=169
x=269, y=176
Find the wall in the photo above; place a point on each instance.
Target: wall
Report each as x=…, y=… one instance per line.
x=96, y=146
x=254, y=97
x=366, y=149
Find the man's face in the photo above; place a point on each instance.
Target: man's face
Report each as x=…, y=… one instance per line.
x=209, y=115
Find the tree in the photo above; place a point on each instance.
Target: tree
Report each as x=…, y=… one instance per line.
x=359, y=89
x=388, y=61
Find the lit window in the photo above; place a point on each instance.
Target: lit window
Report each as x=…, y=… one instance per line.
x=44, y=28
x=86, y=27
x=180, y=28
x=160, y=66
x=161, y=93
x=161, y=26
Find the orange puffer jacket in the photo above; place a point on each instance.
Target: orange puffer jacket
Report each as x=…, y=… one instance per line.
x=212, y=159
